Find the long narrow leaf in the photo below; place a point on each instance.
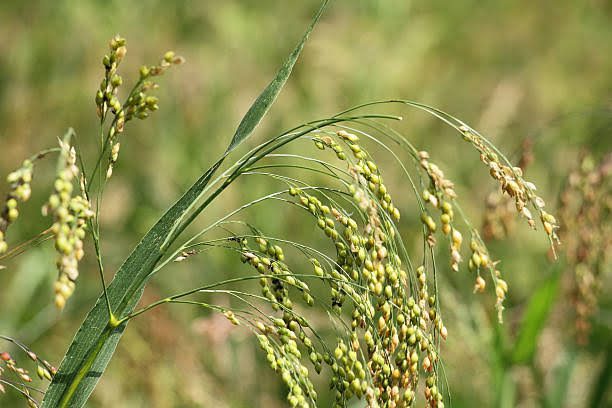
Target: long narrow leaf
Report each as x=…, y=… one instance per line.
x=535, y=317
x=95, y=342
x=265, y=100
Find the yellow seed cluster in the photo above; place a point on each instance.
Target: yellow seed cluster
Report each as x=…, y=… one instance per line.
x=437, y=177
x=480, y=260
x=455, y=248
x=498, y=218
x=11, y=365
x=440, y=195
x=390, y=350
x=512, y=183
x=20, y=191
x=232, y=318
x=70, y=214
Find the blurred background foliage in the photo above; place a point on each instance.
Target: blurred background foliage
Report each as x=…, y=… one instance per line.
x=514, y=70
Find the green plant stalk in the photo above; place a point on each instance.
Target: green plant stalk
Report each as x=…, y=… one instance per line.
x=23, y=246
x=93, y=223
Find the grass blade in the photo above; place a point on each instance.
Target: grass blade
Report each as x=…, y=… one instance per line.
x=265, y=100
x=535, y=317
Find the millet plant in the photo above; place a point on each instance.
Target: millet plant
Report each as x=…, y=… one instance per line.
x=382, y=301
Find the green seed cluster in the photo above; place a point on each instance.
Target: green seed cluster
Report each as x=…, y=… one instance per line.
x=276, y=276
x=327, y=218
x=392, y=334
x=322, y=142
x=280, y=339
x=138, y=104
x=512, y=183
x=391, y=331
x=106, y=96
x=284, y=358
x=20, y=191
x=390, y=348
x=366, y=169
x=70, y=214
x=349, y=373
x=107, y=100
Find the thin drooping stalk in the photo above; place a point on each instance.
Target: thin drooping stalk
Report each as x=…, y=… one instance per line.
x=23, y=246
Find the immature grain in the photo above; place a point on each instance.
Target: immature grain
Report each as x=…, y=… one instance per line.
x=70, y=212
x=139, y=103
x=498, y=218
x=19, y=191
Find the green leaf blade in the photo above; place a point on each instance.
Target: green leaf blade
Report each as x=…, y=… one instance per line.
x=265, y=100
x=535, y=318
